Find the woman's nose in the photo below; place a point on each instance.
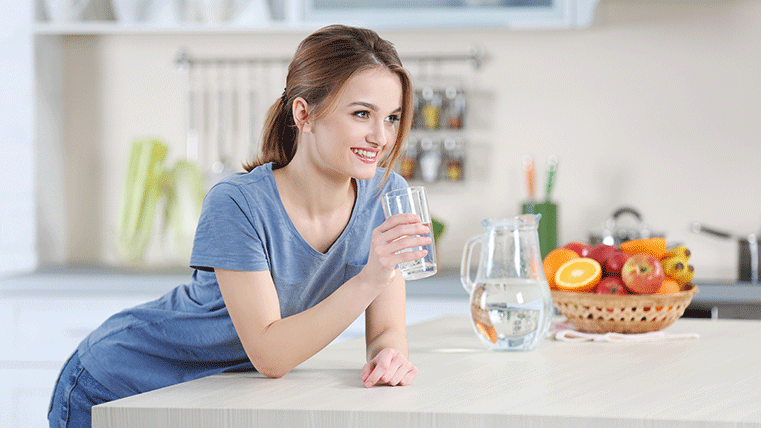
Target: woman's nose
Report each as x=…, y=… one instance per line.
x=377, y=134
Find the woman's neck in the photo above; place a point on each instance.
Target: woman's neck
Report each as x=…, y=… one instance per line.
x=313, y=192
x=319, y=207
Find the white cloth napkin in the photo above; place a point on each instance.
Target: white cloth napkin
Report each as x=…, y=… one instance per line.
x=568, y=335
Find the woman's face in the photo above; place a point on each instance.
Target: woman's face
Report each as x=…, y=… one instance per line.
x=361, y=128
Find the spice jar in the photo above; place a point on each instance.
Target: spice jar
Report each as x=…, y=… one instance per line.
x=408, y=160
x=431, y=108
x=454, y=149
x=430, y=159
x=455, y=108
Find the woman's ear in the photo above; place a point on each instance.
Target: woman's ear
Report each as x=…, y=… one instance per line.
x=300, y=112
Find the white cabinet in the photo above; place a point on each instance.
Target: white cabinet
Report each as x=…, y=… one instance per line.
x=39, y=329
x=453, y=13
x=25, y=395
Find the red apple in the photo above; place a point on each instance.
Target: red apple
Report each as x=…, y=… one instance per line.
x=602, y=252
x=642, y=274
x=611, y=285
x=614, y=264
x=580, y=248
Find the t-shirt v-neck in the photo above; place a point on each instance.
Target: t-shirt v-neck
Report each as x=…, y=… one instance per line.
x=358, y=193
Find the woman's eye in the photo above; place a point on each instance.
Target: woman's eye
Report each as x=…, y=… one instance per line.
x=393, y=118
x=362, y=114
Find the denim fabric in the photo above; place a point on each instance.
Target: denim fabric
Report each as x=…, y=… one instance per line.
x=74, y=395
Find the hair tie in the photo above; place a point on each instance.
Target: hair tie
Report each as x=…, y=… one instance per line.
x=284, y=98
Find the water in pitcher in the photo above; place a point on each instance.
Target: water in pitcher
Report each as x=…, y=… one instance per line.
x=511, y=313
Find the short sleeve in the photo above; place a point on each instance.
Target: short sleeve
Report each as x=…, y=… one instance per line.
x=227, y=235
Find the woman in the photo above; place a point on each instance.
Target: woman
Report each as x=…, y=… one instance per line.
x=287, y=255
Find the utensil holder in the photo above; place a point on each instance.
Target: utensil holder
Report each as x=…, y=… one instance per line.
x=548, y=225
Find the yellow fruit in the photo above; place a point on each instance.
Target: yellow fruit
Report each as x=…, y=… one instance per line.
x=678, y=251
x=581, y=275
x=656, y=247
x=686, y=275
x=673, y=266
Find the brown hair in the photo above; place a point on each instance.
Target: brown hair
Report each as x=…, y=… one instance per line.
x=323, y=62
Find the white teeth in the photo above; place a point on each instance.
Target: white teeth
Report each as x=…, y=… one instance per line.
x=365, y=153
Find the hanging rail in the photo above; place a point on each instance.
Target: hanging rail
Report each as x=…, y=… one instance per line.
x=184, y=61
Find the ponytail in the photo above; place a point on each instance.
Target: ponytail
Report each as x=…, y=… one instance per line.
x=279, y=136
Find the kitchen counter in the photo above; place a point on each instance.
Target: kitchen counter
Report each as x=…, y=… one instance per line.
x=712, y=381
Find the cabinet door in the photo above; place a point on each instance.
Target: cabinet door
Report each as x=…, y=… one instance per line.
x=25, y=396
x=50, y=328
x=452, y=13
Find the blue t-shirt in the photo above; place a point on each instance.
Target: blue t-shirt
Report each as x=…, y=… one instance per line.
x=187, y=333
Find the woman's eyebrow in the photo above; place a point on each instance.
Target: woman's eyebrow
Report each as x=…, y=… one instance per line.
x=371, y=106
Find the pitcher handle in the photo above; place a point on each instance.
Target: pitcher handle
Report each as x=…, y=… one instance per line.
x=467, y=283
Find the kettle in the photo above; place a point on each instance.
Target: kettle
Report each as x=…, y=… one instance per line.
x=614, y=233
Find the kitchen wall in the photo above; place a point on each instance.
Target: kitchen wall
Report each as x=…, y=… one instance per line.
x=17, y=203
x=656, y=106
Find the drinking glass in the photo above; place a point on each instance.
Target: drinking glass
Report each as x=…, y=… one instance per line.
x=413, y=200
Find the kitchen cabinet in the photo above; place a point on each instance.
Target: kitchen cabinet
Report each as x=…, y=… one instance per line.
x=262, y=15
x=42, y=320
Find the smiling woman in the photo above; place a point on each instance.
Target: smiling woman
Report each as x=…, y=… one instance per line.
x=288, y=254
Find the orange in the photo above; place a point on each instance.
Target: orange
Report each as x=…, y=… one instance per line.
x=669, y=286
x=656, y=247
x=487, y=331
x=580, y=274
x=553, y=260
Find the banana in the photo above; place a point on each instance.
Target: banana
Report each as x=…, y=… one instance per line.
x=686, y=275
x=674, y=266
x=678, y=251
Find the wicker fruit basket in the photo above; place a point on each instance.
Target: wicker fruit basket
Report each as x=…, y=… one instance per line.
x=635, y=313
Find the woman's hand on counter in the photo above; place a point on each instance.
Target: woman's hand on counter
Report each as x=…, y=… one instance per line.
x=389, y=367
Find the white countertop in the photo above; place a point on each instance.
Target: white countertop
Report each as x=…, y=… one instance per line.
x=713, y=381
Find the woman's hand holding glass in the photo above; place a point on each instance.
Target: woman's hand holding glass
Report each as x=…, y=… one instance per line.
x=398, y=233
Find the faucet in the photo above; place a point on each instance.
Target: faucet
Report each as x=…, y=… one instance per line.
x=753, y=250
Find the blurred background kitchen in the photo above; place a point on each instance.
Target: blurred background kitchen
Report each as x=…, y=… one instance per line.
x=648, y=104
x=652, y=104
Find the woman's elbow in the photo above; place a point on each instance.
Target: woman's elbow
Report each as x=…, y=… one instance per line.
x=272, y=371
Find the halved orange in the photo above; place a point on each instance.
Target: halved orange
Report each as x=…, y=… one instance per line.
x=669, y=286
x=656, y=247
x=580, y=275
x=553, y=260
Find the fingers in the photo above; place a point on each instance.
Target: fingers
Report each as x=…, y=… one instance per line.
x=398, y=219
x=399, y=239
x=397, y=234
x=388, y=367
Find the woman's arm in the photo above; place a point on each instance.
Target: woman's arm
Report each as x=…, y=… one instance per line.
x=386, y=338
x=276, y=345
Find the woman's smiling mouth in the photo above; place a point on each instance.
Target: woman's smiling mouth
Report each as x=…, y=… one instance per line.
x=365, y=155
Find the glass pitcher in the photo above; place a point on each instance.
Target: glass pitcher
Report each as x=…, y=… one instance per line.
x=510, y=301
